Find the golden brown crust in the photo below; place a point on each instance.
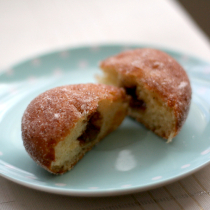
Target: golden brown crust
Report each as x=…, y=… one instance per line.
x=158, y=72
x=50, y=117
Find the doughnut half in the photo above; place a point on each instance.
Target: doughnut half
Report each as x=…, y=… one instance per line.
x=62, y=124
x=159, y=86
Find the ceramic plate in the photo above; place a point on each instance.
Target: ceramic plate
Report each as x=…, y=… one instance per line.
x=131, y=159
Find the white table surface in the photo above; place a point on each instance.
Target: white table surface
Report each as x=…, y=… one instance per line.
x=32, y=27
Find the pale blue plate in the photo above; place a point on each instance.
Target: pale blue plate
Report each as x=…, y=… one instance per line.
x=131, y=159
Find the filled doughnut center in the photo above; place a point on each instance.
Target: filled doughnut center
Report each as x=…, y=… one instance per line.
x=92, y=129
x=135, y=103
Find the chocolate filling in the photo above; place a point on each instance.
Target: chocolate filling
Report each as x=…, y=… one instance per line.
x=92, y=129
x=135, y=103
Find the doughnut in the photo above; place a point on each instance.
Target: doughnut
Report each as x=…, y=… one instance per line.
x=60, y=125
x=159, y=87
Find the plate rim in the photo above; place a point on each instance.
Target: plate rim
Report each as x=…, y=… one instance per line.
x=104, y=193
x=116, y=44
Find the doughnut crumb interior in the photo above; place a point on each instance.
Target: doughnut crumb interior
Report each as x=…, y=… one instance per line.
x=159, y=88
x=60, y=125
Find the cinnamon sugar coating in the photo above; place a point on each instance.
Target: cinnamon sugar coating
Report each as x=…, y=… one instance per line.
x=51, y=116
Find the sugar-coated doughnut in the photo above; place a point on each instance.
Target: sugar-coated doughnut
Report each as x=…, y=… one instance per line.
x=60, y=125
x=159, y=86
